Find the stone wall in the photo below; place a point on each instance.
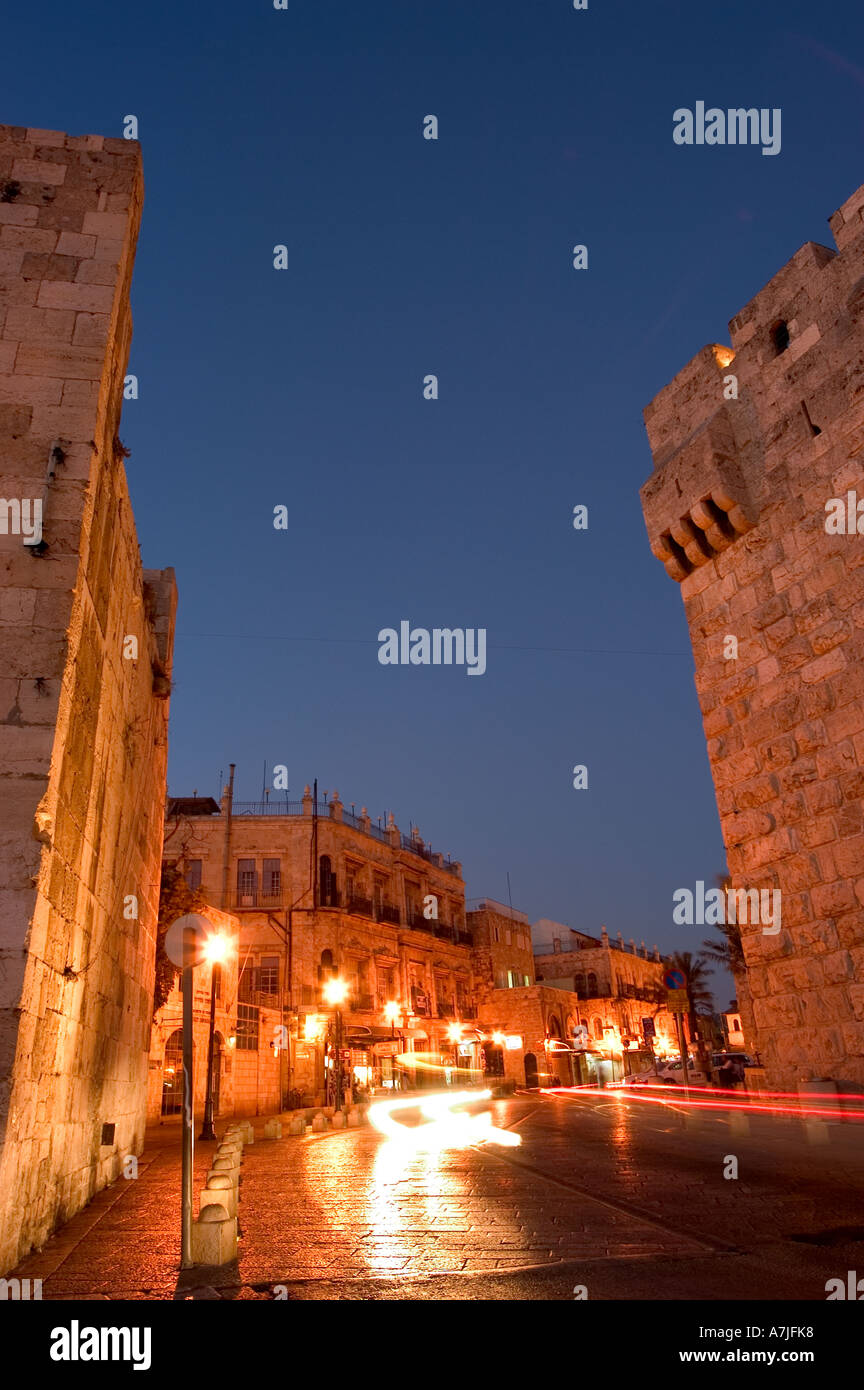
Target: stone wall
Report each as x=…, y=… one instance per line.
x=83, y=726
x=750, y=444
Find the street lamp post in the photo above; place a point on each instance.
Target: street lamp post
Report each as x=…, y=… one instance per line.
x=392, y=1011
x=334, y=994
x=215, y=951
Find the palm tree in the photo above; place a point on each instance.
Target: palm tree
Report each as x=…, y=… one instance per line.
x=728, y=953
x=700, y=1000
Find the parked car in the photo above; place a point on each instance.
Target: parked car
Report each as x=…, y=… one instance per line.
x=675, y=1070
x=645, y=1078
x=719, y=1058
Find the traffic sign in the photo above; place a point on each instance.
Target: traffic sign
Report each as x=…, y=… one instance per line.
x=676, y=1001
x=648, y=1029
x=674, y=979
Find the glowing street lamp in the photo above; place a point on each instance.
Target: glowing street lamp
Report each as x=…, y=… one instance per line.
x=215, y=950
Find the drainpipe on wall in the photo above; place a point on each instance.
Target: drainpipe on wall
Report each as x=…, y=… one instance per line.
x=227, y=803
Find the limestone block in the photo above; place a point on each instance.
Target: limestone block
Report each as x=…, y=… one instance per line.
x=220, y=1191
x=214, y=1237
x=273, y=1129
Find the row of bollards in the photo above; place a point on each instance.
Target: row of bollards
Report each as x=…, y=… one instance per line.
x=215, y=1233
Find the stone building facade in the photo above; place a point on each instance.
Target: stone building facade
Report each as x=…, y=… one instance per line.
x=249, y=1059
x=616, y=988
x=320, y=893
x=560, y=1007
x=753, y=508
x=85, y=655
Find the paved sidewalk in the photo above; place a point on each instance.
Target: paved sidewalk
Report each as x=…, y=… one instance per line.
x=126, y=1242
x=335, y=1206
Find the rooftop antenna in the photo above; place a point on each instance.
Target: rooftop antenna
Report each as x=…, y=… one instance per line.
x=509, y=894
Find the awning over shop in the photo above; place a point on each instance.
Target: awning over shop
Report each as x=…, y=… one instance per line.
x=355, y=1037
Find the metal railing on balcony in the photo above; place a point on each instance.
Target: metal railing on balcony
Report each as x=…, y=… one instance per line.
x=418, y=922
x=366, y=827
x=361, y=1003
x=258, y=899
x=362, y=907
x=431, y=856
x=388, y=913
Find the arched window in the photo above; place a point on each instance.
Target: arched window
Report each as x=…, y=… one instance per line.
x=736, y=1025
x=327, y=880
x=325, y=969
x=597, y=1027
x=580, y=984
x=592, y=985
x=780, y=336
x=554, y=1027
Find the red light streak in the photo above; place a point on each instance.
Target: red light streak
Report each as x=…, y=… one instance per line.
x=747, y=1106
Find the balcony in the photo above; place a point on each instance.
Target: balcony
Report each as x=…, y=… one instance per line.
x=361, y=1003
x=361, y=907
x=388, y=913
x=418, y=922
x=415, y=846
x=420, y=1004
x=257, y=900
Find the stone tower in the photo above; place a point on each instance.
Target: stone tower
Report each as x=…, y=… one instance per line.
x=751, y=444
x=85, y=652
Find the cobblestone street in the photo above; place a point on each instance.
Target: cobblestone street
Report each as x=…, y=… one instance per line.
x=625, y=1197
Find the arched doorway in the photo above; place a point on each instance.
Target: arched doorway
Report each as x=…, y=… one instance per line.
x=327, y=882
x=172, y=1074
x=530, y=1071
x=326, y=969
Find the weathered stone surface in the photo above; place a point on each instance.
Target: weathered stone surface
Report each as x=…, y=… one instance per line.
x=785, y=720
x=82, y=737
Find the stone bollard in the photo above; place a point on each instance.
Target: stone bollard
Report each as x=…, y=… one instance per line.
x=297, y=1125
x=338, y=1121
x=214, y=1237
x=355, y=1119
x=273, y=1129
x=233, y=1175
x=320, y=1123
x=250, y=1132
x=220, y=1191
x=226, y=1164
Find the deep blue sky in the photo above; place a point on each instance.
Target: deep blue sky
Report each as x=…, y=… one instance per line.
x=407, y=257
